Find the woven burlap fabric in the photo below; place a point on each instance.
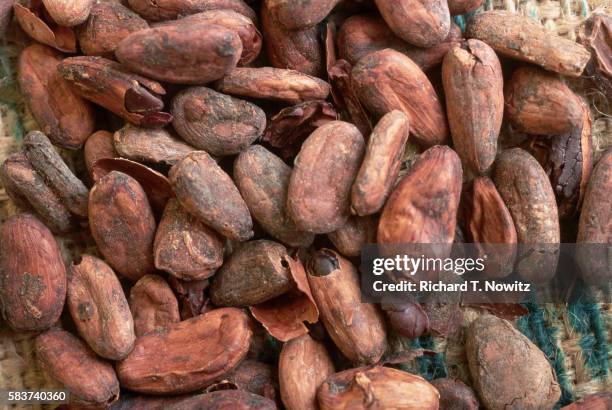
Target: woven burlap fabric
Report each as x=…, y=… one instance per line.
x=575, y=337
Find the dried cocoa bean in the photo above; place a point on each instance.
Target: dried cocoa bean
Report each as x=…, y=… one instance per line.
x=51, y=167
x=540, y=103
x=263, y=179
x=303, y=366
x=29, y=191
x=381, y=164
x=422, y=23
x=520, y=37
x=473, y=84
x=388, y=388
x=526, y=191
x=423, y=206
x=32, y=21
x=596, y=401
x=298, y=50
x=184, y=246
x=156, y=146
x=488, y=221
x=171, y=9
x=200, y=350
x=216, y=123
x=457, y=7
x=273, y=84
x=66, y=359
x=109, y=22
x=195, y=53
x=122, y=224
x=595, y=224
x=407, y=319
x=508, y=382
x=318, y=195
x=106, y=83
x=207, y=192
x=99, y=308
x=300, y=14
x=455, y=395
x=153, y=305
x=356, y=328
x=257, y=271
x=254, y=377
x=68, y=13
x=64, y=116
x=98, y=145
x=387, y=80
x=33, y=274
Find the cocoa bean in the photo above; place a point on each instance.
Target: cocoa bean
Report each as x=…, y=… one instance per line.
x=99, y=308
x=32, y=21
x=98, y=145
x=457, y=7
x=122, y=224
x=216, y=123
x=388, y=80
x=257, y=271
x=407, y=319
x=300, y=14
x=153, y=305
x=33, y=278
x=455, y=395
x=68, y=13
x=199, y=349
x=171, y=9
x=473, y=84
x=207, y=192
x=350, y=238
x=155, y=146
x=356, y=328
x=184, y=246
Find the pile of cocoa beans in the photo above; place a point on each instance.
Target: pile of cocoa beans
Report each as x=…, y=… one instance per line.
x=237, y=155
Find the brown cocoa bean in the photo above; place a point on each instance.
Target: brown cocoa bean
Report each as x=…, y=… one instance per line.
x=200, y=350
x=155, y=146
x=122, y=224
x=388, y=80
x=419, y=22
x=257, y=271
x=263, y=180
x=300, y=14
x=161, y=10
x=216, y=123
x=318, y=195
x=407, y=319
x=354, y=234
x=109, y=22
x=540, y=103
x=457, y=7
x=66, y=359
x=64, y=116
x=228, y=399
x=99, y=308
x=474, y=89
x=596, y=401
x=32, y=20
x=388, y=388
x=595, y=226
x=274, y=84
x=153, y=305
x=303, y=366
x=182, y=54
x=104, y=82
x=519, y=37
x=28, y=190
x=423, y=206
x=98, y=145
x=298, y=50
x=381, y=164
x=33, y=274
x=51, y=167
x=68, y=13
x=356, y=328
x=207, y=192
x=362, y=34
x=254, y=377
x=245, y=28
x=184, y=246
x=455, y=395
x=526, y=191
x=508, y=382
x=488, y=221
